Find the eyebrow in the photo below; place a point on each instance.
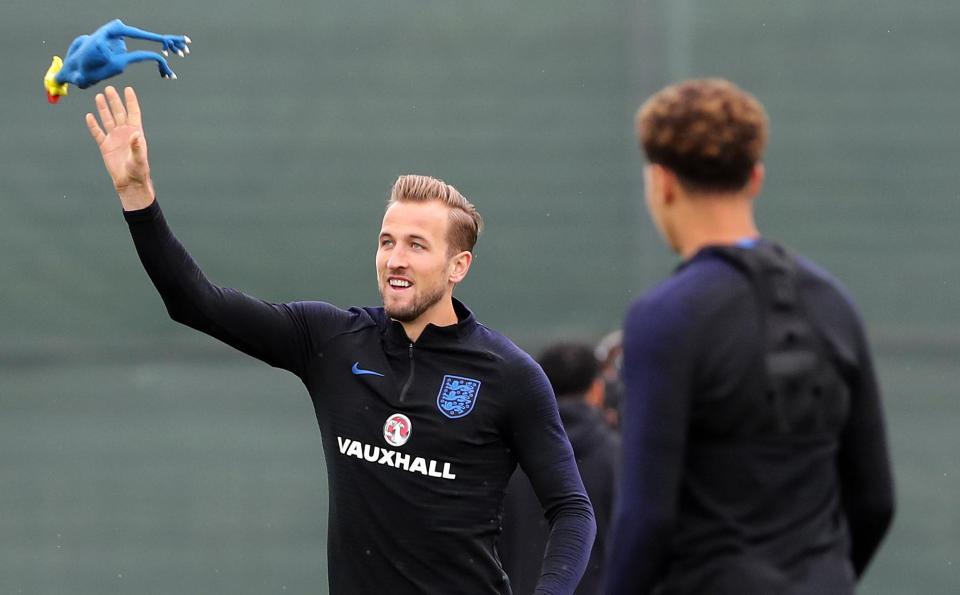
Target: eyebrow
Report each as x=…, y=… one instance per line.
x=415, y=237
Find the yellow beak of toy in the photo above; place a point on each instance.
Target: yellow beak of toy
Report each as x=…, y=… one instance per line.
x=54, y=89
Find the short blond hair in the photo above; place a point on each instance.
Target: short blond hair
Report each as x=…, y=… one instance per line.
x=465, y=222
x=709, y=132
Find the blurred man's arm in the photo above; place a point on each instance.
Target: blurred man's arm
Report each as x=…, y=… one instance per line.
x=865, y=475
x=654, y=428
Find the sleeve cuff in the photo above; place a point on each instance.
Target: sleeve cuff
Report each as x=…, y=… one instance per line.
x=145, y=214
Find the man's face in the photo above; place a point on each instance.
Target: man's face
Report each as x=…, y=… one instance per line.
x=413, y=266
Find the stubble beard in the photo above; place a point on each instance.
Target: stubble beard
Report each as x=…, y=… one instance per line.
x=421, y=303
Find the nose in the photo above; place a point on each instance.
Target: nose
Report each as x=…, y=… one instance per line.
x=397, y=259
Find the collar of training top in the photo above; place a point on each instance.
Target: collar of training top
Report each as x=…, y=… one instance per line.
x=710, y=250
x=432, y=333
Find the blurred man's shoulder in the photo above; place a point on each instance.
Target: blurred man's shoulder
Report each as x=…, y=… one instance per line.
x=700, y=287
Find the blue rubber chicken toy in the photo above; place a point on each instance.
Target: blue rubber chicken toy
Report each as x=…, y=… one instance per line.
x=93, y=58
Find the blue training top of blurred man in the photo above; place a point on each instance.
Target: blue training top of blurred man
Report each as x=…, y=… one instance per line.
x=755, y=459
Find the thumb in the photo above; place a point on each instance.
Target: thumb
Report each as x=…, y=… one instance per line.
x=138, y=147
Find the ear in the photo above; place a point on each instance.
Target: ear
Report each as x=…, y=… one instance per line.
x=459, y=266
x=670, y=185
x=596, y=393
x=755, y=183
x=661, y=183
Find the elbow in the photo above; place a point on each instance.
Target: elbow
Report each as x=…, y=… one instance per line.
x=877, y=511
x=184, y=316
x=884, y=518
x=192, y=308
x=188, y=316
x=578, y=512
x=885, y=512
x=590, y=521
x=583, y=511
x=584, y=516
x=585, y=506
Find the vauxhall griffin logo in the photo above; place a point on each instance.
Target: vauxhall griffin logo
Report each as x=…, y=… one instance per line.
x=397, y=429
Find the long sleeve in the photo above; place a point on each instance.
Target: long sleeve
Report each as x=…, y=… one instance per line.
x=546, y=457
x=274, y=333
x=654, y=421
x=866, y=478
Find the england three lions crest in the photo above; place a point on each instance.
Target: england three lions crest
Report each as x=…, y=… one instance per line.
x=457, y=396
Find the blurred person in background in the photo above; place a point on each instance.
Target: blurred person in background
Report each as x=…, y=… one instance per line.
x=755, y=456
x=609, y=352
x=574, y=374
x=424, y=412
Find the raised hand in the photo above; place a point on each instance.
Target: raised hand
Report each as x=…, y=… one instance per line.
x=123, y=146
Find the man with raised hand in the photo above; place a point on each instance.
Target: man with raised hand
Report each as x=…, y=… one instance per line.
x=423, y=411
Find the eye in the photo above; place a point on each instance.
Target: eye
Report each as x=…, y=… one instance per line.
x=386, y=243
x=418, y=246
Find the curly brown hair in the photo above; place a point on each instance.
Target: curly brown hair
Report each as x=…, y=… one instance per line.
x=709, y=132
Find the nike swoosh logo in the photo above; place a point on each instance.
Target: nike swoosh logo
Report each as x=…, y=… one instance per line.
x=361, y=372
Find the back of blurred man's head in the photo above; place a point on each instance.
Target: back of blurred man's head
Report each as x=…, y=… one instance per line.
x=571, y=367
x=709, y=132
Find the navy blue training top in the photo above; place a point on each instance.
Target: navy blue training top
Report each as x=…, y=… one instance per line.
x=704, y=508
x=419, y=439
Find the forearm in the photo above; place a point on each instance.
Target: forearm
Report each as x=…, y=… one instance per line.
x=185, y=291
x=865, y=470
x=867, y=531
x=572, y=531
x=545, y=455
x=657, y=362
x=868, y=498
x=645, y=507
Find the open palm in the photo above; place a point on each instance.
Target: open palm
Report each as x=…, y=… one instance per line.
x=121, y=140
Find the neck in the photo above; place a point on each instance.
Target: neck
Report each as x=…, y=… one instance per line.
x=439, y=314
x=714, y=221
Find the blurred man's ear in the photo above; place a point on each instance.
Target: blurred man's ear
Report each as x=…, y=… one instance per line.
x=662, y=184
x=755, y=182
x=596, y=393
x=651, y=183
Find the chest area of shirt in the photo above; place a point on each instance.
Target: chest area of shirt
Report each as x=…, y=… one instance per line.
x=434, y=399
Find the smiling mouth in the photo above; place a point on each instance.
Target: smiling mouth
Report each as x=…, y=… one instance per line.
x=397, y=283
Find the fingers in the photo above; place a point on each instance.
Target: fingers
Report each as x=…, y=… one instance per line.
x=95, y=131
x=133, y=107
x=116, y=105
x=105, y=116
x=113, y=113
